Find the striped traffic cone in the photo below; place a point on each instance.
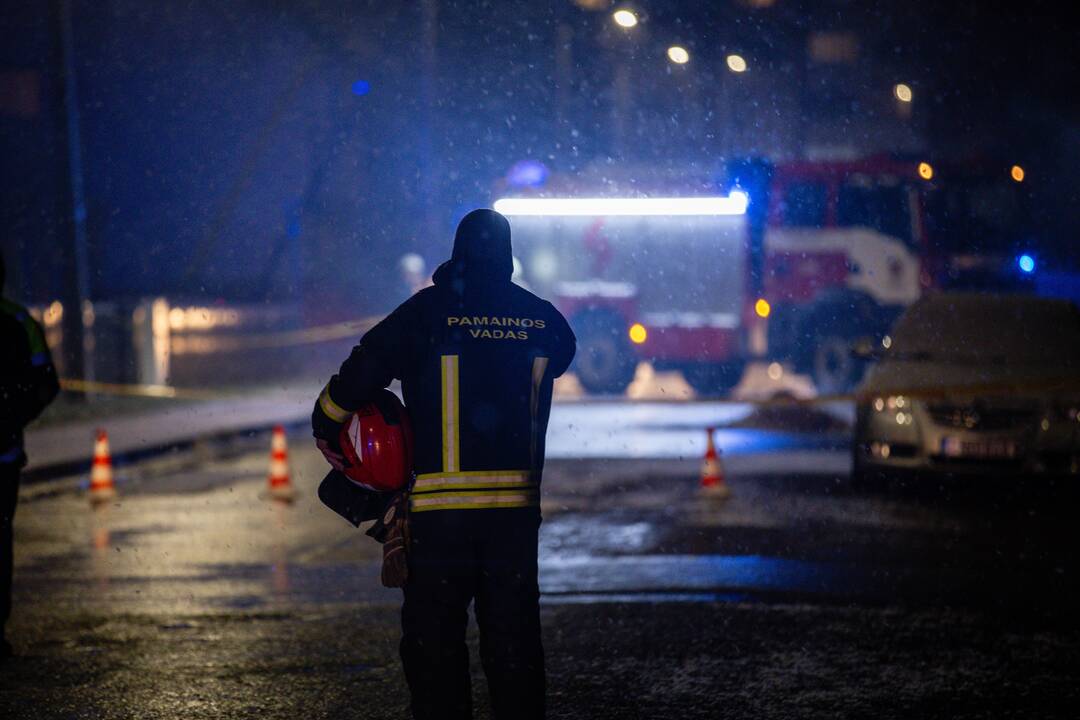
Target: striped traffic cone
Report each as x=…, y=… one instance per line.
x=280, y=486
x=713, y=484
x=102, y=487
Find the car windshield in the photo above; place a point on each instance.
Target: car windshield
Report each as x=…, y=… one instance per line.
x=983, y=329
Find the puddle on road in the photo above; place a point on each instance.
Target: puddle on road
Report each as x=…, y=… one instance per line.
x=644, y=597
x=564, y=574
x=572, y=535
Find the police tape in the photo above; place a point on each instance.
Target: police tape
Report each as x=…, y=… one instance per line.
x=204, y=345
x=1064, y=388
x=1060, y=387
x=201, y=344
x=93, y=387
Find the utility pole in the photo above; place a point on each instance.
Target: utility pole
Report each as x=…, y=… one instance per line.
x=621, y=42
x=429, y=34
x=77, y=353
x=564, y=69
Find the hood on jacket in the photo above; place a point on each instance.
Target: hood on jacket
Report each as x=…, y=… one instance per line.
x=481, y=250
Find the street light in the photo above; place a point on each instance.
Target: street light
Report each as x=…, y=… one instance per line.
x=926, y=171
x=736, y=63
x=625, y=18
x=902, y=92
x=1017, y=173
x=678, y=55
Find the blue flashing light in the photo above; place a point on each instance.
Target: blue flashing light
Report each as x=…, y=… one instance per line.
x=361, y=87
x=527, y=173
x=1026, y=263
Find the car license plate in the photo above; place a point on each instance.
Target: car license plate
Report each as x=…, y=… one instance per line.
x=998, y=448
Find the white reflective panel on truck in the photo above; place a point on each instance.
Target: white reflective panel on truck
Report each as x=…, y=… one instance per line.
x=879, y=265
x=693, y=265
x=691, y=320
x=596, y=288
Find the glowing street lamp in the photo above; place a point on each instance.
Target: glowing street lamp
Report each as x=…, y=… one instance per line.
x=926, y=171
x=1017, y=173
x=902, y=92
x=736, y=63
x=624, y=18
x=678, y=55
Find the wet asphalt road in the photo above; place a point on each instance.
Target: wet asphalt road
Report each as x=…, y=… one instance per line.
x=194, y=596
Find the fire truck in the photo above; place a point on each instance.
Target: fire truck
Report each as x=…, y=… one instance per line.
x=791, y=262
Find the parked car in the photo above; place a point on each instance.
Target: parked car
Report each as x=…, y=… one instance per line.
x=973, y=383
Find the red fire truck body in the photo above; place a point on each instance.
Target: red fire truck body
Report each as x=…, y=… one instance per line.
x=845, y=251
x=836, y=250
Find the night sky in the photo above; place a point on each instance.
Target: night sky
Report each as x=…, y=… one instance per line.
x=242, y=150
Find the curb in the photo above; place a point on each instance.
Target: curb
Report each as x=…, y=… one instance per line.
x=44, y=473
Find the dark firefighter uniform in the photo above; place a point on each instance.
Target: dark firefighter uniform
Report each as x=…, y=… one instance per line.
x=476, y=356
x=27, y=384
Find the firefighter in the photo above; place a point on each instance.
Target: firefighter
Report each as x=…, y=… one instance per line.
x=27, y=384
x=476, y=356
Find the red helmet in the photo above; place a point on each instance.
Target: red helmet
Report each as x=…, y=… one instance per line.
x=377, y=441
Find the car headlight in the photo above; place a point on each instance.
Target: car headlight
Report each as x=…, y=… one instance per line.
x=892, y=404
x=1068, y=411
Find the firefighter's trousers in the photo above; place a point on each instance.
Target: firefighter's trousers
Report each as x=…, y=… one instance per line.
x=487, y=556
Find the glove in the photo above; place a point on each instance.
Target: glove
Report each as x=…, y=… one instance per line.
x=392, y=530
x=351, y=501
x=333, y=455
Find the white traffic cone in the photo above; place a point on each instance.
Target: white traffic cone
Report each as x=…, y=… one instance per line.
x=102, y=487
x=278, y=481
x=713, y=482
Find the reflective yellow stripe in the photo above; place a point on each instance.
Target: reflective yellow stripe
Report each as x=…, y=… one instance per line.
x=473, y=473
x=474, y=500
x=332, y=410
x=478, y=506
x=450, y=394
x=490, y=496
x=482, y=485
x=538, y=369
x=482, y=480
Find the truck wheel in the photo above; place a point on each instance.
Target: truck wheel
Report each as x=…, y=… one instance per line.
x=605, y=363
x=714, y=378
x=834, y=368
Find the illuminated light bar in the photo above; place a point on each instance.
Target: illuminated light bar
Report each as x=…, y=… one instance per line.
x=733, y=204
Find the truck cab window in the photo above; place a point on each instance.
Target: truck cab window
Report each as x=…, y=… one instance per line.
x=803, y=205
x=882, y=208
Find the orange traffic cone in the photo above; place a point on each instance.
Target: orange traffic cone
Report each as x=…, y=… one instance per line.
x=280, y=486
x=713, y=484
x=102, y=488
